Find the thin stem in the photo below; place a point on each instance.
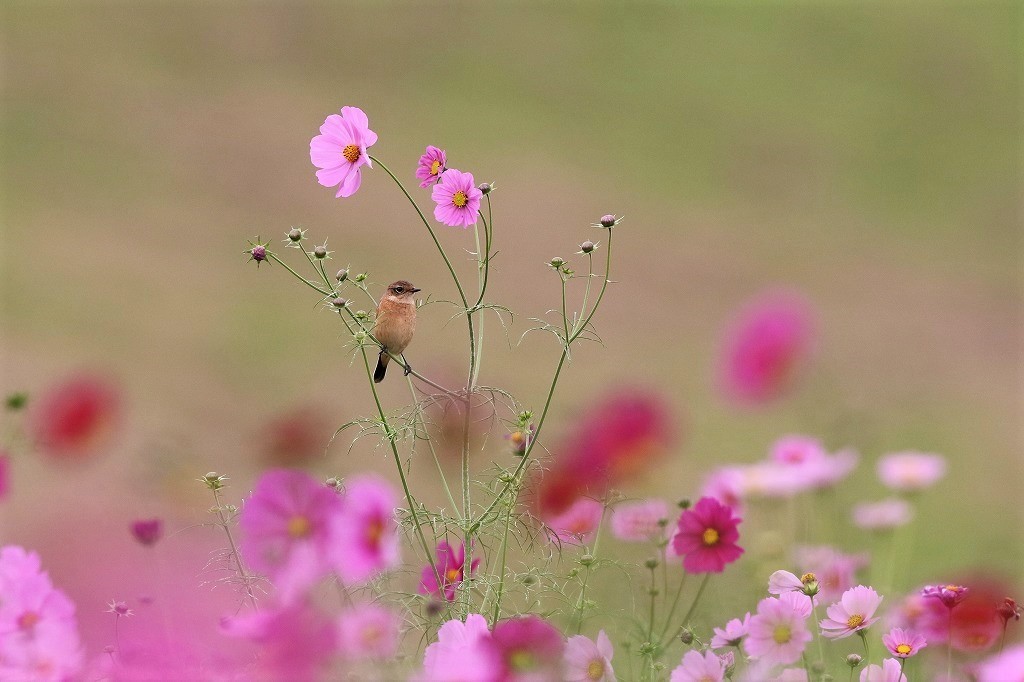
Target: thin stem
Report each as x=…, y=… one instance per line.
x=246, y=580
x=654, y=598
x=581, y=602
x=430, y=444
x=903, y=662
x=501, y=575
x=817, y=630
x=672, y=611
x=302, y=279
x=700, y=593
x=586, y=291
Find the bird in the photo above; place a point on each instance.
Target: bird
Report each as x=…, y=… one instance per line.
x=394, y=325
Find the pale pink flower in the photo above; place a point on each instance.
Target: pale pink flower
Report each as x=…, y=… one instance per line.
x=836, y=571
x=725, y=485
x=578, y=523
x=772, y=480
x=911, y=471
x=778, y=632
x=784, y=581
x=430, y=166
x=799, y=602
x=339, y=151
x=461, y=653
x=368, y=632
x=587, y=660
x=286, y=530
x=642, y=521
x=797, y=451
x=854, y=612
x=698, y=667
x=732, y=634
x=295, y=639
x=366, y=540
x=832, y=469
x=882, y=515
x=457, y=199
x=903, y=643
x=889, y=671
x=791, y=675
x=1007, y=666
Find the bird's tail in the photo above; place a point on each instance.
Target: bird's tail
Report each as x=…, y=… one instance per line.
x=382, y=367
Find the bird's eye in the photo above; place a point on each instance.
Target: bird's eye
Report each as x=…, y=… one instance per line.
x=399, y=290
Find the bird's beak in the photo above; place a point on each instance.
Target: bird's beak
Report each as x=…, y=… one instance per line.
x=414, y=290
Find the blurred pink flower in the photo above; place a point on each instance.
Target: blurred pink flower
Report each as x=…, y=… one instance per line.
x=368, y=632
x=147, y=531
x=797, y=450
x=287, y=530
x=778, y=633
x=805, y=464
x=451, y=565
x=641, y=521
x=973, y=613
x=339, y=151
x=75, y=418
x=295, y=641
x=882, y=515
x=707, y=537
x=528, y=647
x=461, y=653
x=457, y=199
x=855, y=611
x=587, y=660
x=732, y=634
x=765, y=347
x=366, y=540
x=1007, y=666
x=296, y=436
x=949, y=595
x=911, y=471
x=578, y=523
x=903, y=643
x=726, y=486
x=698, y=667
x=835, y=570
x=791, y=675
x=430, y=166
x=889, y=671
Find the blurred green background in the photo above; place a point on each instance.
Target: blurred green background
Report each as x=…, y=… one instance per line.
x=865, y=153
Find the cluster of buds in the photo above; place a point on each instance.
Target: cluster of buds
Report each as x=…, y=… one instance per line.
x=213, y=480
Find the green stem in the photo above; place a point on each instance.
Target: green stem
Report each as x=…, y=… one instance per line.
x=501, y=575
x=672, y=610
x=817, y=630
x=700, y=593
x=239, y=566
x=299, y=277
x=433, y=452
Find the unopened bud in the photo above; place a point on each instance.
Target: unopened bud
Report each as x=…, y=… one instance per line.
x=653, y=591
x=684, y=504
x=608, y=220
x=485, y=187
x=853, y=660
x=259, y=253
x=818, y=667
x=320, y=251
x=556, y=262
x=686, y=636
x=528, y=579
x=651, y=563
x=587, y=247
x=295, y=234
x=646, y=648
x=361, y=277
x=342, y=275
x=360, y=336
x=587, y=560
x=339, y=302
x=213, y=480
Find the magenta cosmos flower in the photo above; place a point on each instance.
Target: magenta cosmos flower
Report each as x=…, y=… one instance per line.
x=642, y=521
x=732, y=634
x=368, y=632
x=949, y=595
x=765, y=347
x=855, y=611
x=451, y=565
x=147, y=531
x=457, y=199
x=287, y=530
x=707, y=537
x=911, y=471
x=365, y=541
x=587, y=660
x=462, y=653
x=339, y=151
x=528, y=647
x=903, y=643
x=431, y=166
x=777, y=633
x=698, y=667
x=295, y=640
x=578, y=523
x=1007, y=666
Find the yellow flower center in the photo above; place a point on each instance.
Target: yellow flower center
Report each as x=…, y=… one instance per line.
x=854, y=621
x=371, y=635
x=953, y=588
x=351, y=153
x=904, y=649
x=435, y=168
x=595, y=670
x=710, y=537
x=299, y=527
x=451, y=575
x=459, y=199
x=520, y=660
x=782, y=634
x=517, y=438
x=808, y=578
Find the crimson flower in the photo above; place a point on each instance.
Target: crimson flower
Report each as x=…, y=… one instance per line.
x=707, y=537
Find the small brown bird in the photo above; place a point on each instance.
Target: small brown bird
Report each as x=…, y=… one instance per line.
x=395, y=325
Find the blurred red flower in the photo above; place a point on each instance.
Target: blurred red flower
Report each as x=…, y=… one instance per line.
x=977, y=624
x=296, y=436
x=77, y=417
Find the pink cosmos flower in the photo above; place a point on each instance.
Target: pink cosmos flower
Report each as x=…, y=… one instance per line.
x=836, y=571
x=903, y=643
x=457, y=199
x=782, y=582
x=462, y=653
x=76, y=418
x=725, y=485
x=368, y=632
x=529, y=648
x=707, y=537
x=366, y=540
x=698, y=667
x=765, y=347
x=641, y=521
x=910, y=471
x=339, y=151
x=889, y=671
x=588, y=661
x=431, y=166
x=451, y=565
x=772, y=480
x=778, y=632
x=829, y=471
x=854, y=612
x=791, y=675
x=732, y=634
x=578, y=523
x=1007, y=666
x=800, y=603
x=287, y=530
x=949, y=595
x=882, y=515
x=295, y=640
x=797, y=450
x=147, y=531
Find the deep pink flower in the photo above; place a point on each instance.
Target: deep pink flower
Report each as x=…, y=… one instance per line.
x=287, y=530
x=732, y=634
x=147, y=531
x=910, y=471
x=339, y=151
x=431, y=166
x=368, y=632
x=707, y=537
x=457, y=199
x=889, y=671
x=882, y=515
x=903, y=643
x=642, y=521
x=451, y=565
x=462, y=653
x=587, y=660
x=777, y=633
x=1007, y=666
x=698, y=667
x=75, y=418
x=949, y=595
x=366, y=540
x=295, y=640
x=766, y=346
x=854, y=612
x=578, y=523
x=529, y=648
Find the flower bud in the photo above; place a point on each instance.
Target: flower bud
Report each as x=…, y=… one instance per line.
x=295, y=234
x=653, y=591
x=16, y=401
x=339, y=302
x=556, y=263
x=360, y=336
x=853, y=660
x=587, y=247
x=259, y=253
x=342, y=275
x=434, y=608
x=361, y=277
x=213, y=480
x=528, y=579
x=651, y=563
x=333, y=483
x=485, y=187
x=362, y=315
x=608, y=220
x=573, y=572
x=587, y=560
x=320, y=252
x=818, y=667
x=646, y=648
x=684, y=504
x=686, y=636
